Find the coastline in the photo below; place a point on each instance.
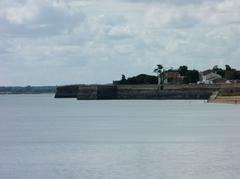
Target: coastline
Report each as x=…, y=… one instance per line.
x=226, y=100
x=99, y=92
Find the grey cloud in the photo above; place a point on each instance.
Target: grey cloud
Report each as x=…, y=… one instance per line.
x=101, y=44
x=183, y=22
x=48, y=21
x=50, y=15
x=120, y=33
x=176, y=2
x=113, y=19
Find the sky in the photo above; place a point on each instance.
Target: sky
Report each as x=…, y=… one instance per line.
x=56, y=42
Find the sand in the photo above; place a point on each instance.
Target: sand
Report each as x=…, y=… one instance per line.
x=226, y=99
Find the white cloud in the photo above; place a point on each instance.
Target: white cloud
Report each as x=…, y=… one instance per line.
x=80, y=41
x=38, y=18
x=174, y=2
x=19, y=15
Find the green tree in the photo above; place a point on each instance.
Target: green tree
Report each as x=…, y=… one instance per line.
x=219, y=71
x=139, y=79
x=160, y=74
x=228, y=68
x=183, y=70
x=123, y=80
x=142, y=79
x=192, y=76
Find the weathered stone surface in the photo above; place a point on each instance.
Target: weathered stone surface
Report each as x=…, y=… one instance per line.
x=94, y=92
x=69, y=91
x=87, y=92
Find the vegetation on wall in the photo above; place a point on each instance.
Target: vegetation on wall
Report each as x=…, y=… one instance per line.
x=139, y=79
x=189, y=76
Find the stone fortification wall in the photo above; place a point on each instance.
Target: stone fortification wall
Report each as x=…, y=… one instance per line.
x=147, y=92
x=88, y=92
x=107, y=92
x=97, y=92
x=69, y=91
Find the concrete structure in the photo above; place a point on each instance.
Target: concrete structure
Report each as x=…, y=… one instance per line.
x=94, y=92
x=97, y=92
x=68, y=91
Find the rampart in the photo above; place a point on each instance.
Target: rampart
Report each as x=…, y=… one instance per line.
x=94, y=92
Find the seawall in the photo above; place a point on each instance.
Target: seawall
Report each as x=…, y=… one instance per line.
x=94, y=92
x=69, y=91
x=229, y=96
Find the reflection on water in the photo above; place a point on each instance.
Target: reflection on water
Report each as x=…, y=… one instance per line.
x=43, y=137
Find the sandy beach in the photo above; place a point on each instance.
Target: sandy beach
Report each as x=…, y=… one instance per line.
x=226, y=99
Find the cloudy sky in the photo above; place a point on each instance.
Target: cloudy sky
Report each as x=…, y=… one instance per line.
x=54, y=42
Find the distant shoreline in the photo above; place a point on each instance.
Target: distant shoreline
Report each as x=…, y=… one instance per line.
x=5, y=90
x=24, y=93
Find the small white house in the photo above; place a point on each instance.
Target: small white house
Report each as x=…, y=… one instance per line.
x=208, y=77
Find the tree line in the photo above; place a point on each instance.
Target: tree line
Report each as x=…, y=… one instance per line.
x=189, y=75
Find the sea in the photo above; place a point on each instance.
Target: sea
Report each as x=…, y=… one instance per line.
x=46, y=138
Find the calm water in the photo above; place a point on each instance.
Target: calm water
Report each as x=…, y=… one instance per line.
x=43, y=137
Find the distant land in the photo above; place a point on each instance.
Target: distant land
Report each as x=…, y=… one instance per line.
x=27, y=89
x=216, y=85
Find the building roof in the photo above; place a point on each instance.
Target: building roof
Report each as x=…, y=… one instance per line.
x=206, y=72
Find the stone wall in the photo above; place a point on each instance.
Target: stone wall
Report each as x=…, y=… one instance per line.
x=93, y=92
x=89, y=92
x=107, y=92
x=147, y=92
x=69, y=91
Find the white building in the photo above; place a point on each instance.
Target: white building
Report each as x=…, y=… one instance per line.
x=208, y=77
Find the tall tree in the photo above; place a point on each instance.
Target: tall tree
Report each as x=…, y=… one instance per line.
x=160, y=74
x=228, y=68
x=218, y=70
x=183, y=70
x=123, y=78
x=192, y=76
